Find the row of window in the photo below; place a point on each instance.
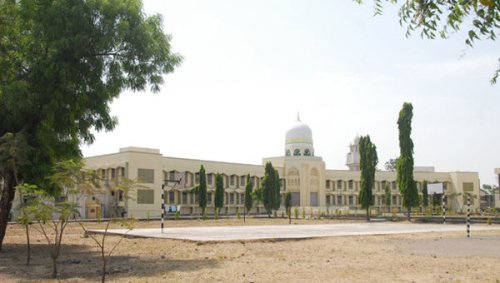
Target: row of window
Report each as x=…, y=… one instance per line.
x=378, y=185
x=146, y=196
x=297, y=152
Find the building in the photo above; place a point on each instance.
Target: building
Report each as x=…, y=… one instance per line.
x=302, y=172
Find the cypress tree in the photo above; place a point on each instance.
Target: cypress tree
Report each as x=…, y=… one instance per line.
x=404, y=166
x=288, y=206
x=268, y=185
x=202, y=191
x=368, y=164
x=219, y=192
x=388, y=197
x=277, y=189
x=248, y=196
x=425, y=195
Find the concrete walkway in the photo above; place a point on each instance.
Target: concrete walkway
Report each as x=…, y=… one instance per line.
x=235, y=233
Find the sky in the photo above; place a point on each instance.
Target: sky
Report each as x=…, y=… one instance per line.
x=250, y=66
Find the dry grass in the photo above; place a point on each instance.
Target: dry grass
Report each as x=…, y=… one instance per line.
x=427, y=257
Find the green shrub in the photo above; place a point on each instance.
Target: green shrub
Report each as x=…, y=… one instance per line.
x=296, y=212
x=177, y=214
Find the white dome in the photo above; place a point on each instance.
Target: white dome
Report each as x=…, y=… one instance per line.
x=298, y=140
x=299, y=133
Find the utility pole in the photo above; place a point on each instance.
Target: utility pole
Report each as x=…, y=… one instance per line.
x=164, y=197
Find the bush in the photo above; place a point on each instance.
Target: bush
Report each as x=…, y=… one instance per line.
x=177, y=214
x=296, y=212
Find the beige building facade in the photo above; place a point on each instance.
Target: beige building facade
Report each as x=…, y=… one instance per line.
x=302, y=173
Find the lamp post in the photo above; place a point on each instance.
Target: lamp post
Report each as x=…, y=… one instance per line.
x=164, y=197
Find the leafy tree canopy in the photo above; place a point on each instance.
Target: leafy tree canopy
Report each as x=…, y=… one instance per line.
x=62, y=63
x=481, y=19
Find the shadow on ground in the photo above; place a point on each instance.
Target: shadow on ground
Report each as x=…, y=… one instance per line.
x=84, y=263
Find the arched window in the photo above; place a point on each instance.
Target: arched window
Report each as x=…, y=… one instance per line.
x=307, y=152
x=296, y=152
x=288, y=153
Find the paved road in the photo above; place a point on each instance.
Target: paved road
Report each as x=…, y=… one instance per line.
x=234, y=233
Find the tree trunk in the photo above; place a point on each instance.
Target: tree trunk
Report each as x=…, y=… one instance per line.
x=28, y=243
x=8, y=192
x=103, y=277
x=409, y=211
x=368, y=214
x=54, y=267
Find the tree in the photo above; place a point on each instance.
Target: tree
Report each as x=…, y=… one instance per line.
x=425, y=195
x=248, y=196
x=219, y=194
x=388, y=197
x=202, y=191
x=368, y=164
x=63, y=63
x=269, y=188
x=288, y=206
x=277, y=191
x=446, y=17
x=128, y=223
x=27, y=208
x=390, y=165
x=406, y=183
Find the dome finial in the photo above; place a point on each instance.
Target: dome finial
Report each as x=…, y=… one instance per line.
x=298, y=116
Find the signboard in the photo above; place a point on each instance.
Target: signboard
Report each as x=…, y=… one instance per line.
x=436, y=188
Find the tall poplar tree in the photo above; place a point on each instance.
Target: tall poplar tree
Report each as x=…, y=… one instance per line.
x=388, y=197
x=425, y=195
x=62, y=63
x=368, y=164
x=277, y=191
x=219, y=193
x=404, y=166
x=202, y=191
x=248, y=196
x=269, y=188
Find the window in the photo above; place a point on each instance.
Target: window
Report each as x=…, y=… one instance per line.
x=231, y=198
x=351, y=200
x=296, y=152
x=103, y=173
x=242, y=180
x=339, y=200
x=197, y=178
x=171, y=197
x=210, y=179
x=327, y=199
x=307, y=152
x=468, y=187
x=232, y=179
x=394, y=200
x=339, y=184
x=350, y=184
x=145, y=197
x=120, y=195
x=184, y=197
x=394, y=187
x=146, y=175
x=209, y=198
x=288, y=153
x=171, y=175
x=122, y=172
x=327, y=185
x=113, y=173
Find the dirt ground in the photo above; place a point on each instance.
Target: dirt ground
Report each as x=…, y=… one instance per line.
x=423, y=257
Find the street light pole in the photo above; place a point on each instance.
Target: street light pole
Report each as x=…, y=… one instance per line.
x=164, y=197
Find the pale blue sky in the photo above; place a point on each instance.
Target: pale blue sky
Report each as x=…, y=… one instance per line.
x=251, y=65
